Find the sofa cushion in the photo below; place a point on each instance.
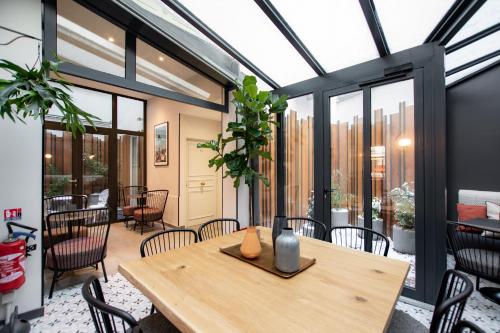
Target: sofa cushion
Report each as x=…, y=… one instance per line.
x=470, y=212
x=150, y=214
x=59, y=235
x=77, y=252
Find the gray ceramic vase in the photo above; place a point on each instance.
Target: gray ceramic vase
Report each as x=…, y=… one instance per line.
x=287, y=251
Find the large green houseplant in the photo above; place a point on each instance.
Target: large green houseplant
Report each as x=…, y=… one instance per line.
x=252, y=129
x=31, y=92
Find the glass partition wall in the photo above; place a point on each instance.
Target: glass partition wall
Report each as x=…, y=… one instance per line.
x=102, y=161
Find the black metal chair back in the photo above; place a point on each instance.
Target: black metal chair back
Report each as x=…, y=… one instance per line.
x=357, y=237
x=453, y=293
x=131, y=194
x=216, y=228
x=474, y=252
x=464, y=326
x=307, y=227
x=61, y=203
x=164, y=241
x=78, y=239
x=106, y=318
x=152, y=207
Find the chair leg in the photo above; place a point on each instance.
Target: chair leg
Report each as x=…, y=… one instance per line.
x=152, y=309
x=163, y=224
x=142, y=227
x=104, y=271
x=52, y=285
x=477, y=282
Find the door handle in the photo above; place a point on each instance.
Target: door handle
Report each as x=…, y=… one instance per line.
x=202, y=183
x=327, y=191
x=73, y=181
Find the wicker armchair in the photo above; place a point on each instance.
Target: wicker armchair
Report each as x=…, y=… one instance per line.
x=151, y=209
x=131, y=198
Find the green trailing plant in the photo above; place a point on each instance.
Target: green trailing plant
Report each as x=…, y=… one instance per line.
x=31, y=92
x=339, y=199
x=404, y=201
x=255, y=114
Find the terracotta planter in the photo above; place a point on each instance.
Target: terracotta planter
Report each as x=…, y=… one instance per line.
x=250, y=247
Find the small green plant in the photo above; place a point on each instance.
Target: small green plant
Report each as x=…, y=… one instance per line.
x=32, y=92
x=376, y=208
x=93, y=166
x=339, y=199
x=57, y=184
x=404, y=200
x=255, y=112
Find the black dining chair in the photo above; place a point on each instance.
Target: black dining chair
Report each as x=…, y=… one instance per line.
x=464, y=326
x=307, y=227
x=476, y=252
x=109, y=319
x=167, y=240
x=131, y=197
x=217, y=228
x=356, y=238
x=78, y=239
x=453, y=294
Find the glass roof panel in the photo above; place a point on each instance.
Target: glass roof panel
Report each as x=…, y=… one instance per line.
x=243, y=25
x=473, y=51
x=407, y=23
x=457, y=76
x=334, y=31
x=485, y=17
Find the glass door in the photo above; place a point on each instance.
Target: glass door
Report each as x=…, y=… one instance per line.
x=59, y=176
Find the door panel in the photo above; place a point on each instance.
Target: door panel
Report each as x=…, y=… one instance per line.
x=201, y=185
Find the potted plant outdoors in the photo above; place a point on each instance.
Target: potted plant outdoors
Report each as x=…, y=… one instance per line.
x=377, y=222
x=339, y=200
x=32, y=92
x=403, y=233
x=252, y=129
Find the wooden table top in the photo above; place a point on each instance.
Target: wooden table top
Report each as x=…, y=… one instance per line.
x=200, y=289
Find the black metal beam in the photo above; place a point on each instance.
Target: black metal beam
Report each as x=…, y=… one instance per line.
x=218, y=40
x=473, y=63
x=473, y=74
x=471, y=39
x=282, y=25
x=371, y=17
x=454, y=19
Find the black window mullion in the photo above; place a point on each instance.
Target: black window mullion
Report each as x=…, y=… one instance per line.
x=113, y=160
x=367, y=165
x=130, y=56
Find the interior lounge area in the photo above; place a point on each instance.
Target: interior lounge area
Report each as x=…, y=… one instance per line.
x=249, y=166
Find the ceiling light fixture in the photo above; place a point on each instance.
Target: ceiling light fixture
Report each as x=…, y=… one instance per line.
x=48, y=156
x=111, y=39
x=160, y=58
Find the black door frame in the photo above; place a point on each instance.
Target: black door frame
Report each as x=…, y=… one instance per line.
x=425, y=64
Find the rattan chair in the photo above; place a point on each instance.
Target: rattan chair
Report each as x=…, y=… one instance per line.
x=357, y=237
x=307, y=227
x=109, y=319
x=217, y=228
x=131, y=197
x=81, y=236
x=151, y=209
x=476, y=253
x=453, y=294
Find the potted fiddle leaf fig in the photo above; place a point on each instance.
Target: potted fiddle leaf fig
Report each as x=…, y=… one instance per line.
x=403, y=233
x=252, y=129
x=31, y=92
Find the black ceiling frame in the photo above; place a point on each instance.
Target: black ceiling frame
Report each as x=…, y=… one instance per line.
x=471, y=39
x=473, y=63
x=474, y=74
x=454, y=19
x=279, y=21
x=218, y=40
x=373, y=22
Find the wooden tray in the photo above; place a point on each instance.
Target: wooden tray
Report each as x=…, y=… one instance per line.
x=266, y=260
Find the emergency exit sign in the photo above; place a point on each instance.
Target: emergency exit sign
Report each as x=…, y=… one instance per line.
x=12, y=214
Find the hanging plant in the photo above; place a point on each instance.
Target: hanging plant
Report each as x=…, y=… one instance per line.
x=255, y=111
x=32, y=92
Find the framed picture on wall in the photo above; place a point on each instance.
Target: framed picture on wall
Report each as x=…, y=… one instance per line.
x=161, y=144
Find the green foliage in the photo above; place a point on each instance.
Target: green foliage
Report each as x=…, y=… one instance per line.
x=57, y=184
x=252, y=130
x=404, y=200
x=339, y=198
x=32, y=92
x=94, y=167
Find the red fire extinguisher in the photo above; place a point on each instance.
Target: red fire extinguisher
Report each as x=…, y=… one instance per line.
x=13, y=252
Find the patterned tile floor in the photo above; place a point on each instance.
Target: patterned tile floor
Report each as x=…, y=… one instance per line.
x=67, y=311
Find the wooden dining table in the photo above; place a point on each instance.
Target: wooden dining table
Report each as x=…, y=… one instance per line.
x=200, y=289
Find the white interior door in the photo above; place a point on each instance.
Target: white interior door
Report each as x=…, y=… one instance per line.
x=201, y=185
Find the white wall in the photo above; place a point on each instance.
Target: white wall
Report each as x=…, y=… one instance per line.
x=21, y=146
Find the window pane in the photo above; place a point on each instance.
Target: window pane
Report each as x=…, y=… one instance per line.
x=130, y=151
x=336, y=33
x=156, y=68
x=393, y=169
x=250, y=31
x=299, y=162
x=452, y=78
x=58, y=163
x=485, y=17
x=86, y=39
x=95, y=169
x=130, y=114
x=473, y=51
x=94, y=102
x=407, y=23
x=346, y=135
